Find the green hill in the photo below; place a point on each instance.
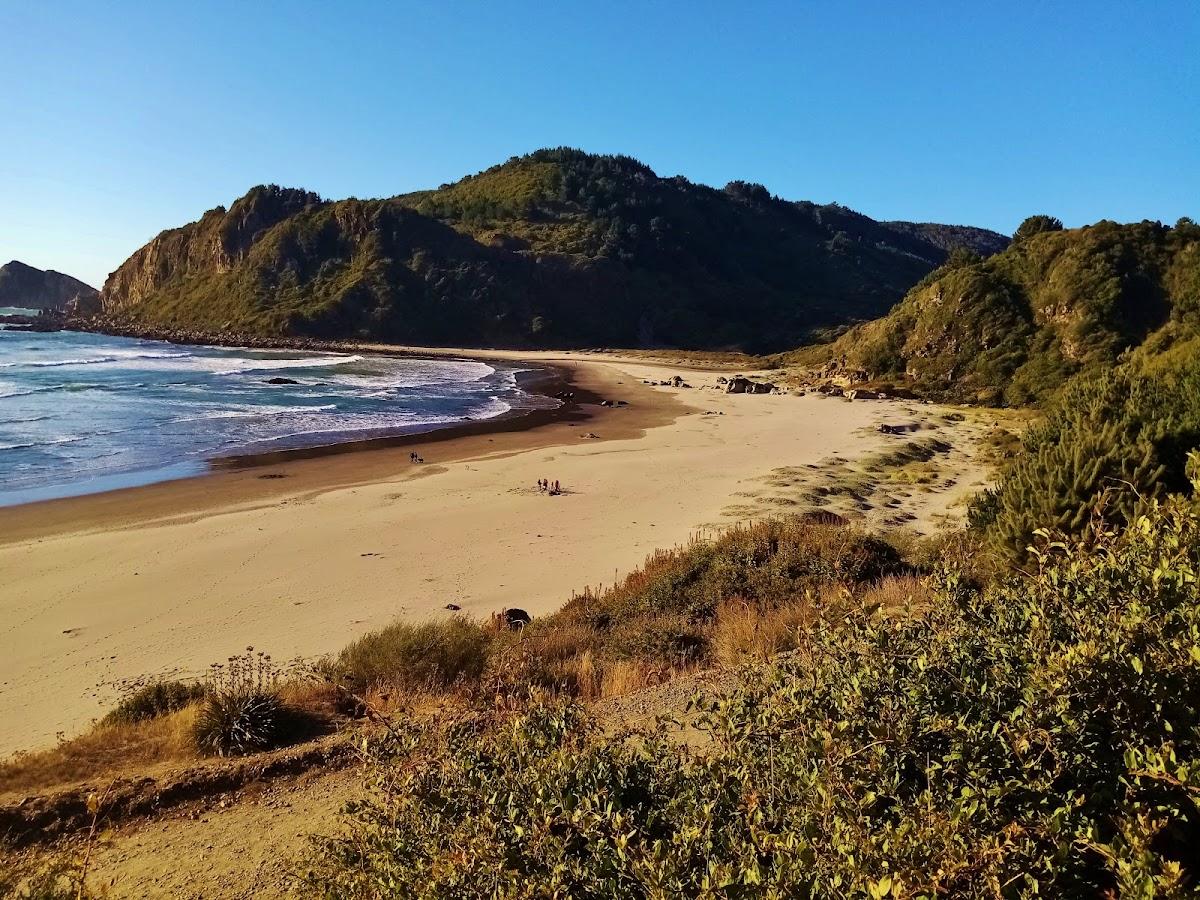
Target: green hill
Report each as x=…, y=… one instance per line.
x=1014, y=327
x=556, y=248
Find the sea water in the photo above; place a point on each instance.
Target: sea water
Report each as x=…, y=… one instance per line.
x=85, y=412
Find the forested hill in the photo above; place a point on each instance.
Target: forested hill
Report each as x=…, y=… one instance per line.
x=556, y=248
x=1014, y=327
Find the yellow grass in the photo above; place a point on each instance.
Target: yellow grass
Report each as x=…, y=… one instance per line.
x=105, y=750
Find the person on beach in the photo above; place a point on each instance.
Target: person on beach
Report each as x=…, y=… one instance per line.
x=556, y=490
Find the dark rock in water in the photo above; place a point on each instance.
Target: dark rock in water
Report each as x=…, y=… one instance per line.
x=453, y=607
x=282, y=381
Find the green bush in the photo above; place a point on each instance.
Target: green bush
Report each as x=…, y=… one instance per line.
x=1109, y=444
x=153, y=700
x=428, y=655
x=1040, y=737
x=234, y=723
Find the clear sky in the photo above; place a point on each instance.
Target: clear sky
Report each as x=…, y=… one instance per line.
x=119, y=119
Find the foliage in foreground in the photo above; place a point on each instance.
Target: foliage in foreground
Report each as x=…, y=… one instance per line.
x=1109, y=444
x=1039, y=737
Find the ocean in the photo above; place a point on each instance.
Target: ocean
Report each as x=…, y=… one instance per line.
x=81, y=413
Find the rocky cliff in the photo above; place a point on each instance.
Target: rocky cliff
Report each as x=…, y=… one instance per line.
x=25, y=286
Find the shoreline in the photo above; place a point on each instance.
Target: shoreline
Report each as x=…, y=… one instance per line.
x=301, y=556
x=541, y=380
x=237, y=481
x=544, y=378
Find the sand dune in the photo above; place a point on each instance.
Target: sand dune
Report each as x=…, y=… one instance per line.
x=165, y=579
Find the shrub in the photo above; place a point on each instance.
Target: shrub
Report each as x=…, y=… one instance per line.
x=427, y=655
x=1109, y=444
x=237, y=723
x=1040, y=737
x=242, y=711
x=769, y=563
x=153, y=700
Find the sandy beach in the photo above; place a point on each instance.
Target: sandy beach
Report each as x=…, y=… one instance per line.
x=300, y=557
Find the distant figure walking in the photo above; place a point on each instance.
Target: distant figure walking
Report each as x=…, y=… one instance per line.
x=556, y=490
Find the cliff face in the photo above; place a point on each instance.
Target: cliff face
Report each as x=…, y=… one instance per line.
x=211, y=246
x=558, y=248
x=25, y=286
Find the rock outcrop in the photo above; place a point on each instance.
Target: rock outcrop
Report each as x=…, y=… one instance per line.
x=29, y=288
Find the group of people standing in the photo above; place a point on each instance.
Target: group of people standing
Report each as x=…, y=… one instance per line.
x=551, y=487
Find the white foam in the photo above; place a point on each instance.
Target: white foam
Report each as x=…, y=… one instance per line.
x=66, y=439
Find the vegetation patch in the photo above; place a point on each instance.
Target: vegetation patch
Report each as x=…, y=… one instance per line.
x=1034, y=737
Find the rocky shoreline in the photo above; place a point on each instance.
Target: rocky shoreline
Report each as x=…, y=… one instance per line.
x=194, y=337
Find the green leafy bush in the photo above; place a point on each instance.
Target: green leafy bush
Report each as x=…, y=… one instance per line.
x=1109, y=444
x=1039, y=737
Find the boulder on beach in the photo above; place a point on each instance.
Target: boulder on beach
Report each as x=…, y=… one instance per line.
x=511, y=619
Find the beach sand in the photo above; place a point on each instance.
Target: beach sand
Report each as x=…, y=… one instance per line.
x=300, y=557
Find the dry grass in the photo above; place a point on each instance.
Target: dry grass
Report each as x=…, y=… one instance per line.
x=745, y=632
x=115, y=747
x=106, y=749
x=898, y=592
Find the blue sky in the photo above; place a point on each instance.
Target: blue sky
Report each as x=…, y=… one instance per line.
x=119, y=119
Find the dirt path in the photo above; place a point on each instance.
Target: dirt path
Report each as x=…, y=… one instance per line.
x=246, y=845
x=251, y=843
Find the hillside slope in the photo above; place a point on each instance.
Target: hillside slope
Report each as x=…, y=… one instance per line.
x=557, y=248
x=26, y=287
x=1014, y=327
